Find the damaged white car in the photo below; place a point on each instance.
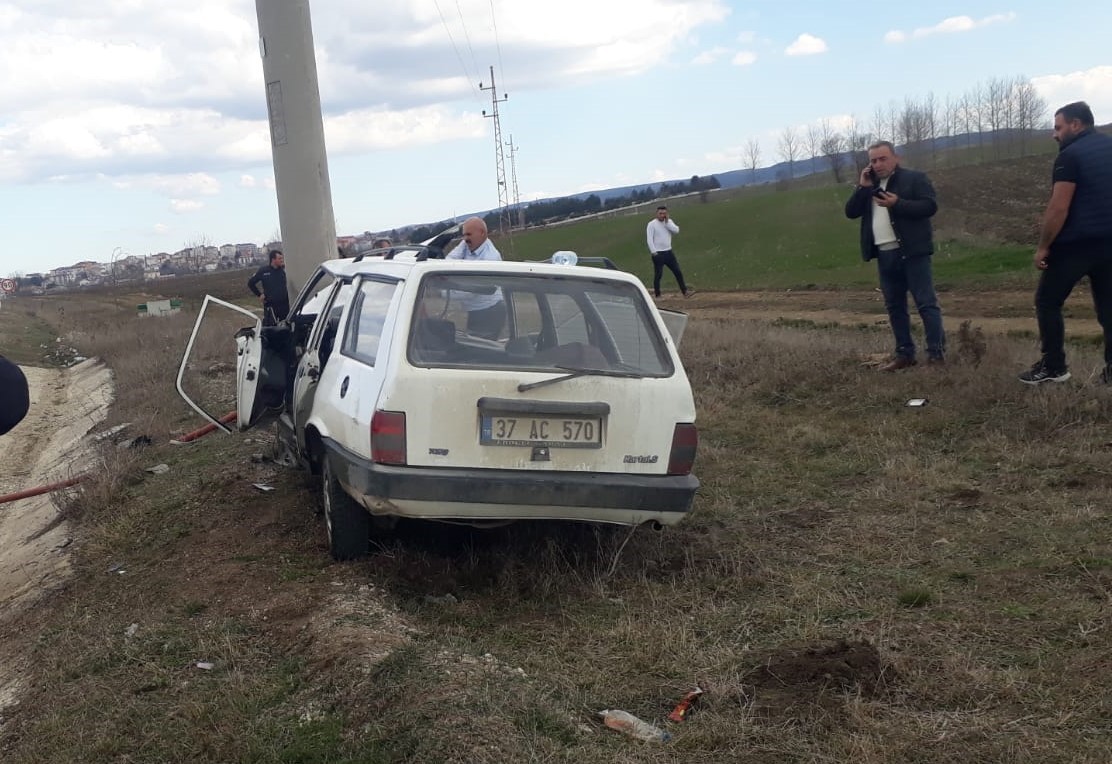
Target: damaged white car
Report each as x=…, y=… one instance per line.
x=566, y=401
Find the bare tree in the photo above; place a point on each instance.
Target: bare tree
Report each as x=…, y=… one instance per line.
x=856, y=142
x=833, y=147
x=789, y=148
x=1031, y=109
x=752, y=158
x=813, y=139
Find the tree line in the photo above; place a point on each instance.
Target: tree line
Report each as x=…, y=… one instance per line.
x=996, y=118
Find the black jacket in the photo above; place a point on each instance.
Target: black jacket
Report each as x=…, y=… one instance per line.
x=911, y=216
x=14, y=396
x=273, y=282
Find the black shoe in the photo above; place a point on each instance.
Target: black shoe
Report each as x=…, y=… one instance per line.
x=1106, y=375
x=1040, y=373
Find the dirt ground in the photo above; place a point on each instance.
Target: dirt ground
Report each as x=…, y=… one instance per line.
x=68, y=404
x=45, y=448
x=996, y=312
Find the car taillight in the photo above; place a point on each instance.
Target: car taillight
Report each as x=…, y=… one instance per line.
x=685, y=440
x=388, y=437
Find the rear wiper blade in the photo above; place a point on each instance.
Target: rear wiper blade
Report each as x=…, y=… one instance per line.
x=574, y=372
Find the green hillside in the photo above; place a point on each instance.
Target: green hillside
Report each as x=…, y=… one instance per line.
x=778, y=237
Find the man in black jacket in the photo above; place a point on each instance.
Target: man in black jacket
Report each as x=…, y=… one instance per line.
x=1076, y=239
x=895, y=207
x=274, y=294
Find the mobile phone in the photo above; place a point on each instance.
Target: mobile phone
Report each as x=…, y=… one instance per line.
x=872, y=175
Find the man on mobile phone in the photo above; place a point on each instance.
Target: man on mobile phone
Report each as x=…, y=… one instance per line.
x=895, y=206
x=659, y=235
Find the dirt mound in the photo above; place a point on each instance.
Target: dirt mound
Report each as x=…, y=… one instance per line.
x=796, y=680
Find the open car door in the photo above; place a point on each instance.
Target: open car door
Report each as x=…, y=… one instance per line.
x=675, y=322
x=261, y=363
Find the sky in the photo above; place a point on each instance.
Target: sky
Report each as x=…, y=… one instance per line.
x=129, y=127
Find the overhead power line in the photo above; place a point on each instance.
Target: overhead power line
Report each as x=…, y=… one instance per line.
x=497, y=44
x=467, y=74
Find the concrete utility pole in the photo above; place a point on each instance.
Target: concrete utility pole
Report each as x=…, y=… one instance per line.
x=296, y=137
x=499, y=155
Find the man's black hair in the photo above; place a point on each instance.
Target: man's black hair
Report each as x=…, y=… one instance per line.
x=1078, y=110
x=662, y=207
x=273, y=254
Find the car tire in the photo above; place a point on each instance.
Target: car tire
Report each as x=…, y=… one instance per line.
x=347, y=524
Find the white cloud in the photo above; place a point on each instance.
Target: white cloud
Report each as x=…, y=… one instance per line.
x=949, y=25
x=744, y=58
x=137, y=87
x=806, y=45
x=186, y=184
x=248, y=181
x=709, y=56
x=747, y=37
x=160, y=228
x=1091, y=85
x=185, y=206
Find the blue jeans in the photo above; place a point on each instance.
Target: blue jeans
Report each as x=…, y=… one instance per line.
x=898, y=276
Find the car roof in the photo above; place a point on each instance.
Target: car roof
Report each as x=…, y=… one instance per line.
x=406, y=265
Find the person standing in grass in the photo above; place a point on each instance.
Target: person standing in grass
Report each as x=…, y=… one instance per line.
x=659, y=234
x=1076, y=239
x=895, y=206
x=15, y=397
x=275, y=294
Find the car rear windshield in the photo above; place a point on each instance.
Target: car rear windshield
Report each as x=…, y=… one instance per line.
x=540, y=322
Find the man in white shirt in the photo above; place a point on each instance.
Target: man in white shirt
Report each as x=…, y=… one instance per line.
x=486, y=313
x=659, y=236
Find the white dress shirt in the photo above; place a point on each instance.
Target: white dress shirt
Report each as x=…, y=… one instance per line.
x=659, y=234
x=486, y=251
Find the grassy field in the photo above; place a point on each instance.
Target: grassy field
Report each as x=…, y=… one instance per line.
x=772, y=238
x=860, y=580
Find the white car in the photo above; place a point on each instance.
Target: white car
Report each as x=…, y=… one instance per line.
x=575, y=408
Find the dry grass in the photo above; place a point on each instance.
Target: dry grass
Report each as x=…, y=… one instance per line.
x=860, y=581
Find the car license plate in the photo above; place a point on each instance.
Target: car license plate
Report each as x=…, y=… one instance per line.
x=558, y=432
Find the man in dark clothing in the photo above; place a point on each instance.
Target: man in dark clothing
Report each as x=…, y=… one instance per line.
x=1076, y=239
x=14, y=395
x=275, y=298
x=895, y=206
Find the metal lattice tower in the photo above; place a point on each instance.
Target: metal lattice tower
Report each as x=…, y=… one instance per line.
x=513, y=174
x=499, y=154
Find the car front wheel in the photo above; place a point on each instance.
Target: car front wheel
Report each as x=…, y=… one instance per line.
x=347, y=523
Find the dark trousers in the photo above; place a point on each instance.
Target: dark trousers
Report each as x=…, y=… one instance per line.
x=488, y=321
x=1064, y=268
x=898, y=276
x=662, y=260
x=273, y=312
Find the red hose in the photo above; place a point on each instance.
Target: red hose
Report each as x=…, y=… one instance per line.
x=40, y=490
x=202, y=432
x=28, y=493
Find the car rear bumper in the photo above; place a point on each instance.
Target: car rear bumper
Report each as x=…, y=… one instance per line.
x=473, y=494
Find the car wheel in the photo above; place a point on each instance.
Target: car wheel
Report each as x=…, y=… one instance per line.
x=347, y=523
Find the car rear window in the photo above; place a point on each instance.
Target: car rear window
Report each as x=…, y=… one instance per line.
x=536, y=322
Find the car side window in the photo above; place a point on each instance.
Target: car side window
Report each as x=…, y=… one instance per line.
x=570, y=323
x=368, y=316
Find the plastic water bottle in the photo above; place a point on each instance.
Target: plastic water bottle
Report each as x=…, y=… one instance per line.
x=623, y=721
